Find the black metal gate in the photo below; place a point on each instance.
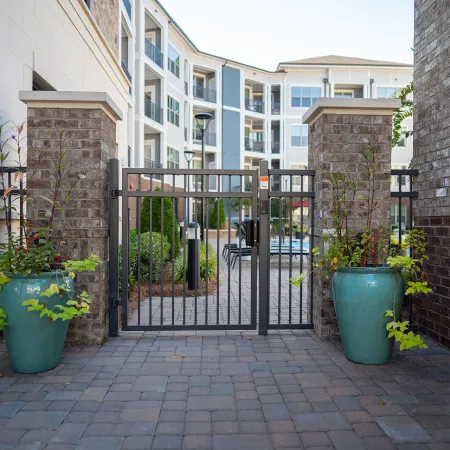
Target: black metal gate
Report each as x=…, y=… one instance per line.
x=155, y=253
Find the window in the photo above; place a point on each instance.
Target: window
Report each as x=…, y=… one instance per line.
x=299, y=136
x=402, y=141
x=173, y=111
x=343, y=93
x=395, y=178
x=39, y=84
x=173, y=158
x=173, y=58
x=88, y=3
x=304, y=97
x=395, y=217
x=297, y=180
x=388, y=92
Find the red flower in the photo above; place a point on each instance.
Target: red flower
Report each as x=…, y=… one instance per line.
x=69, y=258
x=372, y=239
x=56, y=258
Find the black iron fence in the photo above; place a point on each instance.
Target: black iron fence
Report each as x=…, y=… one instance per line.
x=13, y=198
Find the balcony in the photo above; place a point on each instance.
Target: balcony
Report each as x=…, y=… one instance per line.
x=153, y=111
x=254, y=105
x=125, y=69
x=154, y=53
x=149, y=164
x=127, y=5
x=276, y=109
x=207, y=95
x=210, y=138
x=275, y=147
x=254, y=146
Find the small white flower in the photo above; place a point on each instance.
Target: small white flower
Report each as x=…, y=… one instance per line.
x=366, y=141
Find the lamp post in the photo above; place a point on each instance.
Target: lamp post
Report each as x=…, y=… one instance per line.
x=188, y=154
x=202, y=120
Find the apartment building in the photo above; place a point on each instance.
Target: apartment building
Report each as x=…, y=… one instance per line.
x=136, y=52
x=257, y=114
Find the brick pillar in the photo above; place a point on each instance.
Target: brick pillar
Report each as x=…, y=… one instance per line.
x=338, y=131
x=89, y=124
x=432, y=159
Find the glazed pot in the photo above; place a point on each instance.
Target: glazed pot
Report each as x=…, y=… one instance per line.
x=34, y=344
x=361, y=296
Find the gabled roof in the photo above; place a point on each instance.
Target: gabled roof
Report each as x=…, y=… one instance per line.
x=335, y=60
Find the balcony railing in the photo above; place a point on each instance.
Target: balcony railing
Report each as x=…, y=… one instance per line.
x=210, y=138
x=276, y=108
x=207, y=95
x=254, y=146
x=173, y=67
x=153, y=111
x=254, y=105
x=275, y=147
x=149, y=164
x=127, y=7
x=125, y=69
x=154, y=53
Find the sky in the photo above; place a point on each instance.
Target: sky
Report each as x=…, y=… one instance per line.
x=263, y=33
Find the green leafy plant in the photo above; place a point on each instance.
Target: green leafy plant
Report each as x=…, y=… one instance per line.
x=170, y=225
x=346, y=247
x=218, y=219
x=207, y=270
x=405, y=111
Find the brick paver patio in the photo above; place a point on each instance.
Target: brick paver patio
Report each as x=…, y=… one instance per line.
x=218, y=390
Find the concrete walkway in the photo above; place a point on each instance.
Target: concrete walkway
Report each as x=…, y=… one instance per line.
x=227, y=391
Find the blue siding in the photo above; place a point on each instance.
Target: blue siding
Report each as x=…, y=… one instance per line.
x=231, y=87
x=231, y=139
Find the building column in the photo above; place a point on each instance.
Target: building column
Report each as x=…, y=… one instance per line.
x=431, y=158
x=338, y=130
x=88, y=120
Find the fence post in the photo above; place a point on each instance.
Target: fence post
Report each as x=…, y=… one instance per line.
x=264, y=257
x=113, y=247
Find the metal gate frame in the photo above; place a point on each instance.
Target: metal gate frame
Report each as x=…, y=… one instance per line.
x=127, y=194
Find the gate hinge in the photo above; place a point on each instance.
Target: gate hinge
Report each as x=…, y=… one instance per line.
x=116, y=302
x=116, y=193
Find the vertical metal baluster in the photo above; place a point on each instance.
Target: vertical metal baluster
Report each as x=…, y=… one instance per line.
x=138, y=226
x=150, y=287
x=184, y=255
x=125, y=251
x=301, y=248
x=410, y=313
x=311, y=254
x=290, y=250
x=173, y=251
x=161, y=271
x=240, y=251
x=229, y=259
x=280, y=212
x=218, y=262
x=9, y=215
x=21, y=213
x=206, y=216
x=196, y=243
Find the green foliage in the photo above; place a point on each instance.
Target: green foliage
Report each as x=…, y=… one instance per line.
x=399, y=331
x=75, y=307
x=206, y=270
x=405, y=111
x=218, y=218
x=3, y=322
x=143, y=263
x=170, y=225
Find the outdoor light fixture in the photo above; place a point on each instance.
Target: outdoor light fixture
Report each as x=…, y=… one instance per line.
x=188, y=154
x=202, y=120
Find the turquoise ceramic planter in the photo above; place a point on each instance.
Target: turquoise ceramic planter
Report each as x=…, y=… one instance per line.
x=361, y=296
x=34, y=344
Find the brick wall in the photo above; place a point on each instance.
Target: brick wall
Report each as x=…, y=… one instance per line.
x=335, y=140
x=90, y=138
x=432, y=159
x=106, y=14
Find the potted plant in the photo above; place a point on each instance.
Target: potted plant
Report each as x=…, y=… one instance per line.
x=370, y=276
x=37, y=295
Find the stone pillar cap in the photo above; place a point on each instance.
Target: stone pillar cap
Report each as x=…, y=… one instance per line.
x=362, y=106
x=72, y=99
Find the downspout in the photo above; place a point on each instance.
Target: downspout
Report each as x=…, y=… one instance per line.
x=325, y=83
x=223, y=65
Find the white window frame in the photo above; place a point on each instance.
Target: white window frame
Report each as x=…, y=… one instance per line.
x=301, y=135
x=173, y=116
x=397, y=88
x=171, y=164
x=345, y=91
x=176, y=65
x=304, y=86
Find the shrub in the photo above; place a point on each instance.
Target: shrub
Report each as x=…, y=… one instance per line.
x=157, y=263
x=170, y=220
x=218, y=215
x=180, y=268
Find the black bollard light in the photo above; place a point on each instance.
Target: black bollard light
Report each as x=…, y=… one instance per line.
x=181, y=229
x=193, y=275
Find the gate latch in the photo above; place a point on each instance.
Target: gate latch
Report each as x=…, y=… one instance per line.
x=251, y=233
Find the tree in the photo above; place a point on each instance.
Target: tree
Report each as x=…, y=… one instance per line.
x=170, y=225
x=218, y=212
